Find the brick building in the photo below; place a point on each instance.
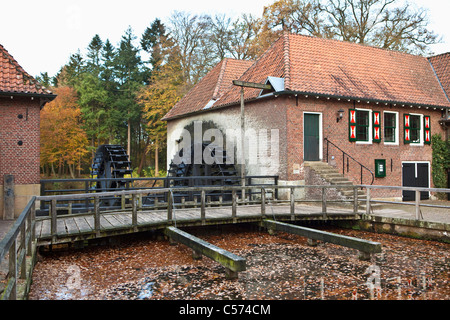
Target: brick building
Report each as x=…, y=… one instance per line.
x=380, y=107
x=21, y=99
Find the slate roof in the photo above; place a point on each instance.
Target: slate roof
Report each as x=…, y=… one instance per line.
x=15, y=80
x=333, y=68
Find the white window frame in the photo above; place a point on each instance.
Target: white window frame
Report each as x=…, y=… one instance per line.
x=420, y=143
x=397, y=129
x=370, y=126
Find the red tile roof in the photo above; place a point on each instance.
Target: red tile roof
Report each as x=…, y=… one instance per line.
x=343, y=69
x=441, y=65
x=15, y=80
x=316, y=66
x=210, y=87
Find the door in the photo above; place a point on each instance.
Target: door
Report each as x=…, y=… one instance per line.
x=311, y=135
x=416, y=174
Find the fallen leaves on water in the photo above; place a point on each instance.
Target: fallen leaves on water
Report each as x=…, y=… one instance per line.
x=278, y=267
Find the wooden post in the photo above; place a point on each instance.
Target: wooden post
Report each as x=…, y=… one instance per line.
x=230, y=261
x=23, y=265
x=140, y=201
x=8, y=197
x=202, y=210
x=97, y=215
x=417, y=204
x=54, y=219
x=134, y=212
x=33, y=223
x=368, y=201
x=292, y=198
x=170, y=206
x=30, y=230
x=233, y=204
x=263, y=202
x=13, y=269
x=86, y=190
x=242, y=143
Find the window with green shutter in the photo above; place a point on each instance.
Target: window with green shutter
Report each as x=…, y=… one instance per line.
x=362, y=125
x=407, y=128
x=427, y=130
x=415, y=128
x=376, y=126
x=352, y=125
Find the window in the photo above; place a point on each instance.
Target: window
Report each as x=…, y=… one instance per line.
x=390, y=127
x=360, y=125
x=417, y=129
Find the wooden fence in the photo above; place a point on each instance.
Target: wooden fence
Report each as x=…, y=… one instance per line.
x=19, y=246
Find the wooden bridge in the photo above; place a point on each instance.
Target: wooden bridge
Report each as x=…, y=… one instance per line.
x=133, y=216
x=62, y=225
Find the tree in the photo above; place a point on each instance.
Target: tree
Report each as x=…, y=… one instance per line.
x=63, y=141
x=129, y=73
x=244, y=33
x=94, y=55
x=153, y=41
x=189, y=33
x=384, y=23
x=441, y=162
x=164, y=91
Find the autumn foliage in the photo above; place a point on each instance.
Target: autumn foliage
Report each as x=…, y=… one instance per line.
x=119, y=94
x=63, y=142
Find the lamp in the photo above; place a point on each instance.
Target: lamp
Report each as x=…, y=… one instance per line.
x=340, y=115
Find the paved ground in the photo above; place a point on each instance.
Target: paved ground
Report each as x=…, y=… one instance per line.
x=409, y=211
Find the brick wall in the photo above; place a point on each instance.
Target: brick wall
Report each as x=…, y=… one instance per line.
x=22, y=161
x=286, y=113
x=364, y=153
x=265, y=114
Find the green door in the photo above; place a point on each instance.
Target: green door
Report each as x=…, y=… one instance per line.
x=312, y=137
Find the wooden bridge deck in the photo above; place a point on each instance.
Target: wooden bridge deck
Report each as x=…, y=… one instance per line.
x=78, y=227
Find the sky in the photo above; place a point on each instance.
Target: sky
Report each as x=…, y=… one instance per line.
x=41, y=35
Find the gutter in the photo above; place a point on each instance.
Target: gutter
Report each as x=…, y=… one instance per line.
x=317, y=95
x=44, y=98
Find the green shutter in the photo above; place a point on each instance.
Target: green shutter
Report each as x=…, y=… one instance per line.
x=376, y=124
x=352, y=125
x=407, y=128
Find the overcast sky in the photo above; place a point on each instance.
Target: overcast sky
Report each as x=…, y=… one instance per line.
x=41, y=35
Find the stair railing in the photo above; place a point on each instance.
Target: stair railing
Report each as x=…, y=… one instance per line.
x=344, y=155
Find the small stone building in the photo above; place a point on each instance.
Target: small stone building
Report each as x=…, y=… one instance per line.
x=368, y=112
x=21, y=99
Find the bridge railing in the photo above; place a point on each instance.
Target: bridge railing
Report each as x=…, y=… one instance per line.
x=418, y=203
x=203, y=197
x=19, y=248
x=200, y=197
x=89, y=186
